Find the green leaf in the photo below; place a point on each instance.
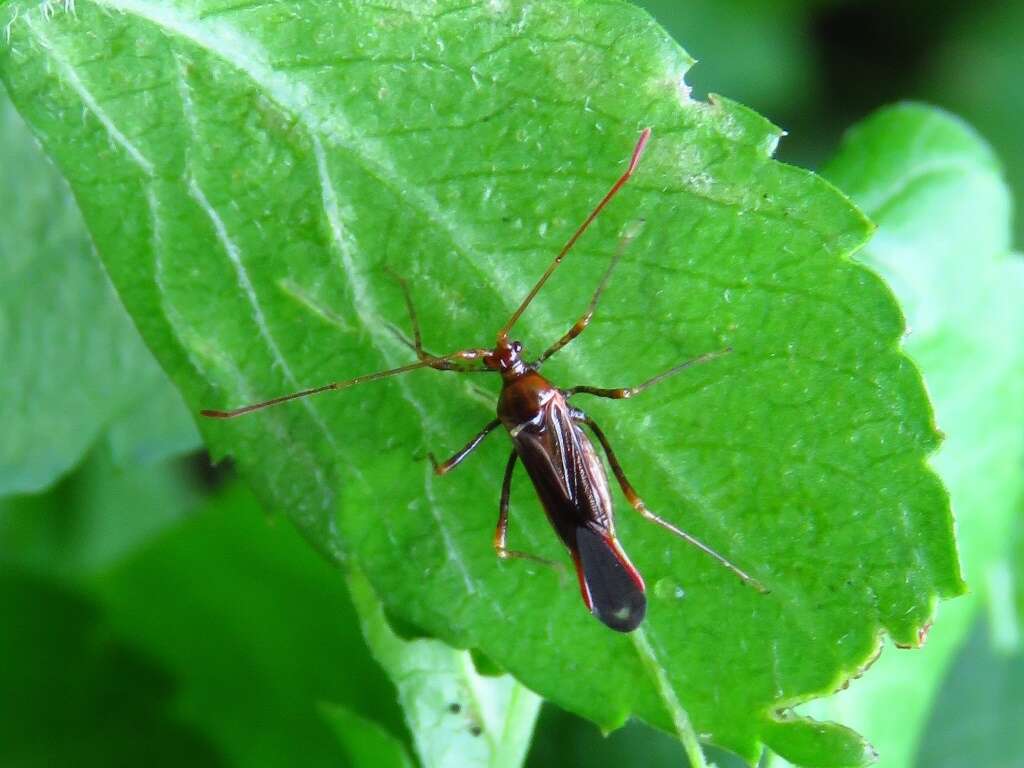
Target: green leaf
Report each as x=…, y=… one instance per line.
x=156, y=427
x=73, y=363
x=979, y=709
x=457, y=716
x=76, y=694
x=249, y=171
x=92, y=518
x=227, y=621
x=256, y=629
x=367, y=744
x=943, y=210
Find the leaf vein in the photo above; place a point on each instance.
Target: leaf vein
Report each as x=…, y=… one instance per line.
x=70, y=77
x=249, y=292
x=680, y=718
x=366, y=309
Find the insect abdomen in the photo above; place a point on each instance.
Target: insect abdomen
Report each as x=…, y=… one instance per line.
x=612, y=588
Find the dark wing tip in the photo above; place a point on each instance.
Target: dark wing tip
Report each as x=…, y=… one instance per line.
x=616, y=590
x=627, y=615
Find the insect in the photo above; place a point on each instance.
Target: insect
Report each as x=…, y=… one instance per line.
x=548, y=438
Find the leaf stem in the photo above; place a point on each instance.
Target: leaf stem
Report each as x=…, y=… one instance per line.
x=521, y=712
x=680, y=719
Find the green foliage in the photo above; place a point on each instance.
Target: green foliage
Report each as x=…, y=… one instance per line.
x=256, y=630
x=73, y=364
x=979, y=709
x=563, y=739
x=72, y=694
x=225, y=633
x=366, y=743
x=92, y=518
x=223, y=637
x=487, y=721
x=943, y=210
x=248, y=172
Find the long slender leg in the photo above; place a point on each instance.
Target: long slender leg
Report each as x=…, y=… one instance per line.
x=416, y=343
x=633, y=162
x=454, y=461
x=584, y=320
x=501, y=532
x=620, y=393
x=638, y=504
x=462, y=361
x=459, y=361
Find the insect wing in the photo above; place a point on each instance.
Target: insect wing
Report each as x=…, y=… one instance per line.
x=571, y=483
x=612, y=588
x=566, y=473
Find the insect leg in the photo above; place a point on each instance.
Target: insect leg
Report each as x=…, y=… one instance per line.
x=454, y=461
x=501, y=532
x=621, y=393
x=445, y=363
x=585, y=318
x=638, y=504
x=584, y=321
x=416, y=344
x=633, y=162
x=462, y=361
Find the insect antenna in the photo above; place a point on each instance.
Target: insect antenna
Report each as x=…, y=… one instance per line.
x=333, y=386
x=633, y=162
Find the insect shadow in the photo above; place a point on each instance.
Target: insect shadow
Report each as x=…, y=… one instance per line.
x=548, y=438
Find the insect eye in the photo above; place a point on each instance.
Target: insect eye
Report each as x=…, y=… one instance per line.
x=517, y=347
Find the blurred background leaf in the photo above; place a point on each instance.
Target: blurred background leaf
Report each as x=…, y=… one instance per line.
x=938, y=195
x=974, y=72
x=367, y=744
x=72, y=693
x=223, y=639
x=74, y=365
x=978, y=711
x=257, y=630
x=93, y=517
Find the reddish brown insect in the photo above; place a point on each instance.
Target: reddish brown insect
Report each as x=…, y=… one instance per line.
x=547, y=437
